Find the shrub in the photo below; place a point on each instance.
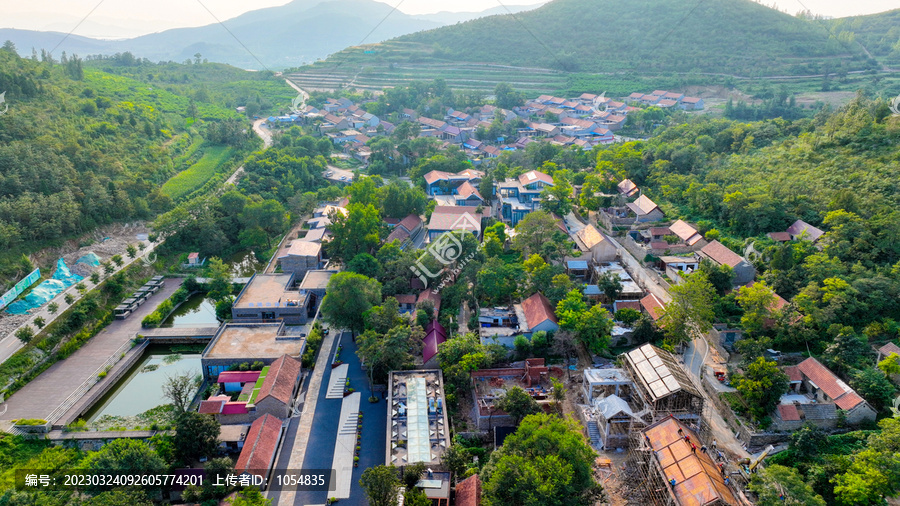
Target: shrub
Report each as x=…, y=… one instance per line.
x=102, y=374
x=31, y=421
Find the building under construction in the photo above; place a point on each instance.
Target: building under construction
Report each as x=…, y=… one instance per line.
x=669, y=465
x=665, y=387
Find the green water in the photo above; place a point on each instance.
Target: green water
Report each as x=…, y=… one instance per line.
x=244, y=264
x=142, y=387
x=197, y=311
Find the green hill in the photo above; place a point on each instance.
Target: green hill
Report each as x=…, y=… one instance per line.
x=879, y=33
x=624, y=40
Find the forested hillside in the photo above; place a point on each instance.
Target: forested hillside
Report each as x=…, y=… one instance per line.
x=879, y=33
x=731, y=36
x=81, y=147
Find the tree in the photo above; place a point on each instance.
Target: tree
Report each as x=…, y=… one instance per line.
x=196, y=435
x=506, y=97
x=365, y=264
x=690, y=313
x=95, y=278
x=218, y=282
x=107, y=268
x=131, y=250
x=69, y=298
x=539, y=233
x=518, y=404
x=627, y=316
x=874, y=473
x=611, y=286
x=775, y=485
x=250, y=497
x=357, y=232
x=558, y=198
x=424, y=313
x=384, y=317
x=269, y=216
x=381, y=484
x=591, y=327
x=39, y=322
x=25, y=334
x=124, y=457
x=757, y=302
x=890, y=365
x=873, y=386
x=52, y=308
x=546, y=462
x=720, y=276
x=497, y=281
x=81, y=287
x=415, y=497
x=117, y=259
x=395, y=350
x=347, y=297
x=179, y=390
x=558, y=394
x=761, y=385
x=412, y=473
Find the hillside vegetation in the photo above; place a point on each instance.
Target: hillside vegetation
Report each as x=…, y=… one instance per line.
x=879, y=33
x=81, y=147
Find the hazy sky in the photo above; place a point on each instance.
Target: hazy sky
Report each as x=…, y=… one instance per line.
x=120, y=18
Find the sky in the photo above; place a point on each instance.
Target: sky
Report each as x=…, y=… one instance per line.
x=129, y=18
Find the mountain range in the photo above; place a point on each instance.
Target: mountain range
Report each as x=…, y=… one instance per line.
x=291, y=35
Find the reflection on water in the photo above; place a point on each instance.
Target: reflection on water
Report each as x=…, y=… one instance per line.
x=197, y=311
x=244, y=264
x=142, y=388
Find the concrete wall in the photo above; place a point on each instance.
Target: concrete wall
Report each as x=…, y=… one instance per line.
x=752, y=439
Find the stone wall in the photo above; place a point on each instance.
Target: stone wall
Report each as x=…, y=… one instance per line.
x=751, y=439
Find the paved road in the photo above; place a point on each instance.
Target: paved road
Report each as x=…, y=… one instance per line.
x=640, y=274
x=51, y=388
x=10, y=344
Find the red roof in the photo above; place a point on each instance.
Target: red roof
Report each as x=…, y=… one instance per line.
x=788, y=412
x=720, y=254
x=213, y=405
x=258, y=453
x=238, y=376
x=193, y=256
x=405, y=298
x=280, y=380
x=630, y=304
x=537, y=310
x=468, y=491
x=533, y=176
x=466, y=190
x=433, y=297
x=793, y=373
x=779, y=236
x=843, y=395
x=653, y=306
x=412, y=221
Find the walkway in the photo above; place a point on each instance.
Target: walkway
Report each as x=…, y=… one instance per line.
x=42, y=395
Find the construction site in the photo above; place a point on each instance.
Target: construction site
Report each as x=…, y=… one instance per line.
x=650, y=420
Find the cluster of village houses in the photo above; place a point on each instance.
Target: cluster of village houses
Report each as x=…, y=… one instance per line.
x=584, y=121
x=650, y=403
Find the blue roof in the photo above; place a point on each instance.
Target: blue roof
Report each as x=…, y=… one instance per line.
x=592, y=290
x=577, y=264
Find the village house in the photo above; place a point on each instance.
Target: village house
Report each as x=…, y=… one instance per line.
x=627, y=188
x=438, y=182
x=408, y=228
x=454, y=218
x=814, y=395
x=258, y=454
x=644, y=210
x=594, y=245
x=664, y=386
x=719, y=254
x=520, y=196
x=802, y=230
x=490, y=385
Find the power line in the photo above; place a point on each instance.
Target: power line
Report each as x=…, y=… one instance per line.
x=234, y=36
x=76, y=27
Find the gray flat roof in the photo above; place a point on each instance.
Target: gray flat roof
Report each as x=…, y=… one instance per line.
x=268, y=290
x=316, y=279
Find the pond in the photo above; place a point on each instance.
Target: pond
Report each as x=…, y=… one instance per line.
x=197, y=311
x=141, y=388
x=244, y=264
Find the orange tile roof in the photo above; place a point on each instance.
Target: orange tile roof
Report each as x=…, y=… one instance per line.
x=258, y=453
x=721, y=254
x=697, y=479
x=788, y=412
x=537, y=309
x=280, y=380
x=653, y=306
x=843, y=395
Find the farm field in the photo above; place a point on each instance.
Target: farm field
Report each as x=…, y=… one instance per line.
x=195, y=176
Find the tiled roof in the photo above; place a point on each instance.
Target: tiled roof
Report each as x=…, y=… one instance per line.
x=433, y=338
x=590, y=236
x=453, y=218
x=793, y=373
x=280, y=381
x=642, y=206
x=535, y=175
x=697, y=479
x=537, y=309
x=234, y=408
x=411, y=221
x=435, y=298
x=800, y=226
x=466, y=190
x=398, y=234
x=685, y=232
x=653, y=306
x=631, y=304
x=889, y=348
x=690, y=100
x=627, y=187
x=779, y=236
x=213, y=405
x=405, y=298
x=258, y=453
x=788, y=412
x=717, y=252
x=834, y=387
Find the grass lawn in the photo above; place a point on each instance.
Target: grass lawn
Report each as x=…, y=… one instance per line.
x=197, y=174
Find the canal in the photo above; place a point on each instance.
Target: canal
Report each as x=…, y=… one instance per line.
x=142, y=387
x=197, y=311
